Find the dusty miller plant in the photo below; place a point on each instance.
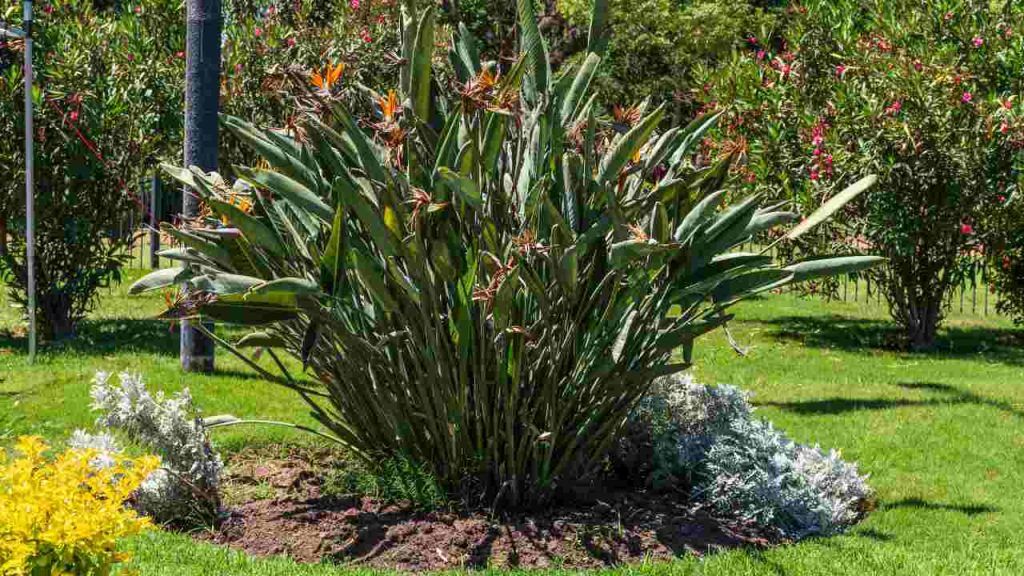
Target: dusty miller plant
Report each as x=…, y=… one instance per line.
x=186, y=488
x=707, y=440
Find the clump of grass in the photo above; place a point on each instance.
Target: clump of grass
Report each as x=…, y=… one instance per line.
x=396, y=479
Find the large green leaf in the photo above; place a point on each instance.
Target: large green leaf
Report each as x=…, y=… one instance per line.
x=811, y=269
x=627, y=146
x=291, y=190
x=832, y=206
x=161, y=279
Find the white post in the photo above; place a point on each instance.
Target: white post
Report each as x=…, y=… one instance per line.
x=30, y=216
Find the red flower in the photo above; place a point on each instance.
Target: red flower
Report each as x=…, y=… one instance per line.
x=760, y=54
x=894, y=108
x=290, y=41
x=257, y=32
x=365, y=35
x=966, y=229
x=840, y=70
x=918, y=66
x=74, y=115
x=48, y=9
x=1001, y=198
x=1004, y=127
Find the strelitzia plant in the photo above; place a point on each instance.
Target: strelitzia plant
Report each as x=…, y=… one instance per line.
x=486, y=282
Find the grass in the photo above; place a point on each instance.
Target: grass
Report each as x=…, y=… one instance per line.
x=941, y=434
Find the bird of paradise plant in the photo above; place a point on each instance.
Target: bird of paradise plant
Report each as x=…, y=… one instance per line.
x=492, y=306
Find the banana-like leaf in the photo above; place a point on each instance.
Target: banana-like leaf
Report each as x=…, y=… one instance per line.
x=750, y=284
x=291, y=190
x=627, y=146
x=211, y=250
x=291, y=286
x=254, y=231
x=579, y=89
x=697, y=216
x=224, y=284
x=597, y=40
x=533, y=45
x=260, y=340
x=832, y=206
x=811, y=269
x=465, y=187
x=420, y=66
x=161, y=279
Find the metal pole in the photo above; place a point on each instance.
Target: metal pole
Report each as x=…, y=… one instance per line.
x=202, y=94
x=30, y=209
x=154, y=222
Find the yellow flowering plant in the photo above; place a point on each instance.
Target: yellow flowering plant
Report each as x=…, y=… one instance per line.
x=66, y=515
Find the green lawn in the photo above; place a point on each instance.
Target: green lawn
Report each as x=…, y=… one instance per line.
x=942, y=434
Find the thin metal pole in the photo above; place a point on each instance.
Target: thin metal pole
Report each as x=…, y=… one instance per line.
x=30, y=209
x=154, y=222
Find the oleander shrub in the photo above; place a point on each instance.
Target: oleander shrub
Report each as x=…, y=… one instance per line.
x=485, y=277
x=185, y=490
x=63, y=515
x=105, y=108
x=707, y=441
x=1006, y=256
x=926, y=95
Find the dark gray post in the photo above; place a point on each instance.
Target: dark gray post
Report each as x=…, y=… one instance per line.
x=202, y=93
x=154, y=222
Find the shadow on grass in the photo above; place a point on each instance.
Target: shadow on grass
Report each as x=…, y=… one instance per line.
x=949, y=395
x=859, y=335
x=920, y=504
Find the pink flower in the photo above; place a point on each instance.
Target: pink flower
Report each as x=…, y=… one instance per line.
x=365, y=35
x=257, y=32
x=894, y=108
x=131, y=57
x=381, y=19
x=966, y=98
x=1004, y=127
x=238, y=68
x=1001, y=199
x=977, y=41
x=74, y=115
x=918, y=66
x=814, y=175
x=138, y=9
x=752, y=40
x=290, y=41
x=48, y=9
x=760, y=54
x=180, y=53
x=1008, y=103
x=966, y=229
x=948, y=16
x=840, y=70
x=354, y=4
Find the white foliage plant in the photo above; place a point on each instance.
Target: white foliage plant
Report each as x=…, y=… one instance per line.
x=708, y=439
x=186, y=487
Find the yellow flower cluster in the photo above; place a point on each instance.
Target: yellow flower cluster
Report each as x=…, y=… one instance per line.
x=65, y=516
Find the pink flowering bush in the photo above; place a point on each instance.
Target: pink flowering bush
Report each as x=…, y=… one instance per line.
x=925, y=98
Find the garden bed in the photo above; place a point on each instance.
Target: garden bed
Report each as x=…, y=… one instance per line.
x=293, y=516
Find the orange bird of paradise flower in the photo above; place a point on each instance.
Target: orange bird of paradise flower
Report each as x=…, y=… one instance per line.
x=389, y=106
x=330, y=76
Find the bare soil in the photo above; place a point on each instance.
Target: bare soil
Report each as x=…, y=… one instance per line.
x=617, y=528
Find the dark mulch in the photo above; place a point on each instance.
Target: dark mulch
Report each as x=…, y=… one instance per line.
x=617, y=528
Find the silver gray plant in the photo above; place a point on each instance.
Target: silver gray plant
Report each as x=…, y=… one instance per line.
x=707, y=440
x=186, y=488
